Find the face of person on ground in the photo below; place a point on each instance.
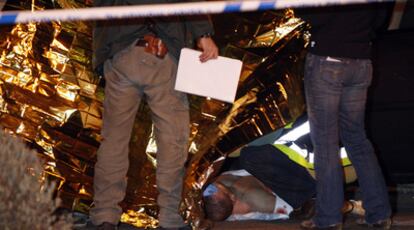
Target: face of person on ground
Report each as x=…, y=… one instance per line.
x=218, y=202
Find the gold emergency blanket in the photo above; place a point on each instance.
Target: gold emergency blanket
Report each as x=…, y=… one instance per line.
x=50, y=97
x=269, y=96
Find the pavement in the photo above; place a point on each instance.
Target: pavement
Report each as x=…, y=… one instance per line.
x=400, y=221
x=402, y=200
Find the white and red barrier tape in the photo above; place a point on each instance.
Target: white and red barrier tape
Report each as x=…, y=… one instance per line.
x=134, y=11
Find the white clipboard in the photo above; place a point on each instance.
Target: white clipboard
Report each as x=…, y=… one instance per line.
x=217, y=78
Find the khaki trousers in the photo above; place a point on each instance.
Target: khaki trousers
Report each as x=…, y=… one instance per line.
x=131, y=74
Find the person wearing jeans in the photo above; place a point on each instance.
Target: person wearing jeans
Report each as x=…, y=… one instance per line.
x=338, y=72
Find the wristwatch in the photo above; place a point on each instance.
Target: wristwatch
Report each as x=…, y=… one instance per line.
x=206, y=35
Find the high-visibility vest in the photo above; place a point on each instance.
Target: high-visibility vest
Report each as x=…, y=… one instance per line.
x=302, y=156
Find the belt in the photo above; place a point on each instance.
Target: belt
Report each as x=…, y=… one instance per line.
x=142, y=42
x=153, y=45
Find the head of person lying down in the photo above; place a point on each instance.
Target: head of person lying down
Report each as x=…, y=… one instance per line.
x=232, y=194
x=218, y=202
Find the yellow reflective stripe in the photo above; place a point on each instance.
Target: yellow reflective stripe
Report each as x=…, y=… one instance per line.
x=294, y=156
x=346, y=161
x=299, y=159
x=344, y=157
x=289, y=126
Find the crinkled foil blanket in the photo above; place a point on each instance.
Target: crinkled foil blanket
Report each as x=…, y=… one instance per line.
x=50, y=97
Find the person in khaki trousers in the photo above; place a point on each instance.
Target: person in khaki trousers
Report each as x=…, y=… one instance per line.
x=138, y=59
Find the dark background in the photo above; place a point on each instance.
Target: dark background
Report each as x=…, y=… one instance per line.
x=390, y=110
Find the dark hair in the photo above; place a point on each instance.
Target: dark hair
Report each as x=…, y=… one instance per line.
x=218, y=209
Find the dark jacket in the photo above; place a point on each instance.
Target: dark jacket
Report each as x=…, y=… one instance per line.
x=344, y=31
x=112, y=36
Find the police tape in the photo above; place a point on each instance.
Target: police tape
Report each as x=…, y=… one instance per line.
x=152, y=10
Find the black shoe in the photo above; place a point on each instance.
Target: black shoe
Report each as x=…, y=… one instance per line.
x=310, y=225
x=107, y=226
x=187, y=227
x=306, y=211
x=382, y=224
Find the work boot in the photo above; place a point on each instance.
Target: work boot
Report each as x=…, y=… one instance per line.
x=382, y=224
x=306, y=211
x=107, y=226
x=310, y=225
x=187, y=227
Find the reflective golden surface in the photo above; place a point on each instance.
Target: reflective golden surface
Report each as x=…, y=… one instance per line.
x=269, y=96
x=50, y=96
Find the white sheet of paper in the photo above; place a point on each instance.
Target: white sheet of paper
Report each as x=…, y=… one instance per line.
x=217, y=78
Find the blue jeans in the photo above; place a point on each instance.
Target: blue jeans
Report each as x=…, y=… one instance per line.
x=336, y=91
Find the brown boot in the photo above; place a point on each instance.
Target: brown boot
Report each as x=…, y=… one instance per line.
x=310, y=225
x=107, y=226
x=382, y=224
x=306, y=211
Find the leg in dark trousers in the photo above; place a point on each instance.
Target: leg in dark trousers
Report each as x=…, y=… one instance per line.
x=283, y=176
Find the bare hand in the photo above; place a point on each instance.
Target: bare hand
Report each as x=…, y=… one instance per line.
x=209, y=48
